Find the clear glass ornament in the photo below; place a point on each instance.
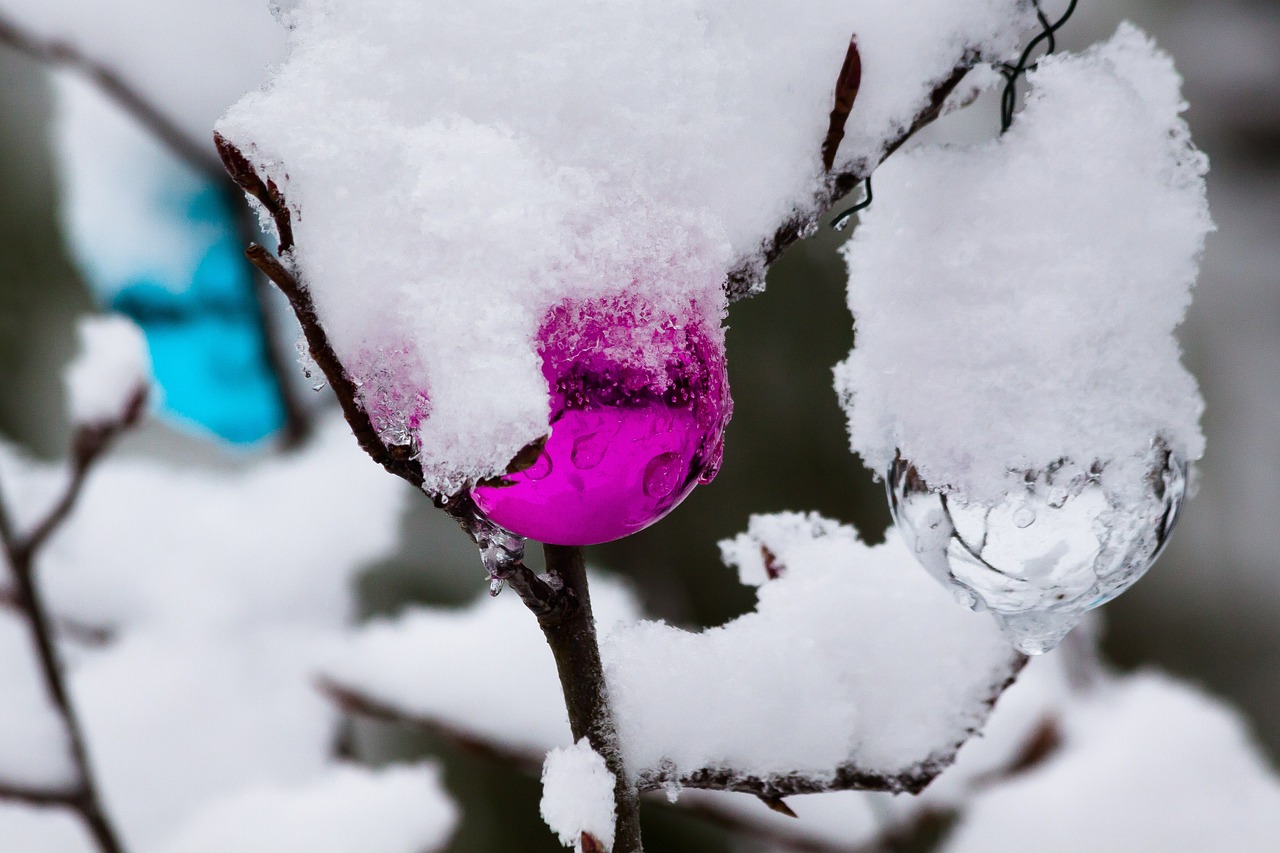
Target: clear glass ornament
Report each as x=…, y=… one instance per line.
x=1047, y=553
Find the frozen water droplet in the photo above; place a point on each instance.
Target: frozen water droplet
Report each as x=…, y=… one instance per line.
x=500, y=549
x=1070, y=540
x=496, y=585
x=1037, y=633
x=589, y=449
x=661, y=475
x=541, y=467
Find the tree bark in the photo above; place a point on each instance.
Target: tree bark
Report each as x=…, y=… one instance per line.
x=572, y=638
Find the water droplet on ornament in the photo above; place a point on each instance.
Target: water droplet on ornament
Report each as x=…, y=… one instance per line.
x=661, y=475
x=589, y=449
x=1044, y=555
x=541, y=467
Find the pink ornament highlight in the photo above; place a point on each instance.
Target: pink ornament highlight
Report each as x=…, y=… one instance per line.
x=639, y=405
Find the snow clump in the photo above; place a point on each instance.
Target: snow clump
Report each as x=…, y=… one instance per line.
x=454, y=171
x=577, y=795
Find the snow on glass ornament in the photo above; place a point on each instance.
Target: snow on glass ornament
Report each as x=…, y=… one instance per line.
x=1046, y=554
x=639, y=404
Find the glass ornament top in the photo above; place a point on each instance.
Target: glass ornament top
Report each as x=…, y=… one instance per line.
x=1046, y=554
x=639, y=404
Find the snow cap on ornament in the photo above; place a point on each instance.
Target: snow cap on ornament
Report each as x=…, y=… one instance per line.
x=1015, y=370
x=639, y=403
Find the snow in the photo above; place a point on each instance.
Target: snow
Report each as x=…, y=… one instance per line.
x=111, y=366
x=890, y=674
x=442, y=664
x=24, y=829
x=1144, y=763
x=852, y=657
x=577, y=795
x=392, y=810
x=34, y=750
x=1015, y=301
x=1148, y=764
x=222, y=584
x=456, y=171
x=190, y=59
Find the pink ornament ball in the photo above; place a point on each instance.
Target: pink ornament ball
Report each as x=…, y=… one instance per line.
x=639, y=404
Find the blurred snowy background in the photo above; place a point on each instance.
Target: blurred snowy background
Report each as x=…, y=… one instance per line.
x=1209, y=611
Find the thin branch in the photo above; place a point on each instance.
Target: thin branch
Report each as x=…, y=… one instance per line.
x=356, y=703
x=573, y=642
x=396, y=459
x=278, y=354
x=38, y=796
x=71, y=629
x=89, y=444
x=22, y=550
x=266, y=192
x=59, y=53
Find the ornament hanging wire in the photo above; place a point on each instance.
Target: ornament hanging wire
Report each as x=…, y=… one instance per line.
x=1011, y=72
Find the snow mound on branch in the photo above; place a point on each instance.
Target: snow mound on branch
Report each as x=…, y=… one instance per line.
x=853, y=658
x=577, y=795
x=112, y=365
x=393, y=810
x=1015, y=301
x=456, y=170
x=442, y=664
x=1147, y=764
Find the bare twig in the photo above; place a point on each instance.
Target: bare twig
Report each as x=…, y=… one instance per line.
x=397, y=459
x=38, y=796
x=573, y=642
x=58, y=53
x=359, y=704
x=22, y=550
x=278, y=353
x=71, y=629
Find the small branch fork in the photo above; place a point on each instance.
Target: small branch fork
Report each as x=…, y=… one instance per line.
x=22, y=551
